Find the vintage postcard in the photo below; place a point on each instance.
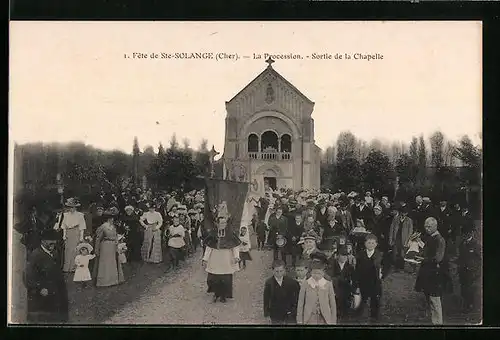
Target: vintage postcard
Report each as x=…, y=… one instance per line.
x=249, y=173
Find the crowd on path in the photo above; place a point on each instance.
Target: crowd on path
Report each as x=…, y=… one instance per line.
x=341, y=247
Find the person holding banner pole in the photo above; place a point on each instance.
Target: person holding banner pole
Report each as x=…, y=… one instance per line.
x=220, y=265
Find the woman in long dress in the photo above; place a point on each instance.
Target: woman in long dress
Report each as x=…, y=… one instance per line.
x=108, y=269
x=151, y=247
x=73, y=226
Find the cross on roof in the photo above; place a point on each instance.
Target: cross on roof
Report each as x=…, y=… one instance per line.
x=269, y=61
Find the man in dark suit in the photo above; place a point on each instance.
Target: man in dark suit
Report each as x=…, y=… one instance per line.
x=362, y=211
x=44, y=280
x=278, y=226
x=294, y=231
x=345, y=219
x=281, y=294
x=31, y=229
x=431, y=278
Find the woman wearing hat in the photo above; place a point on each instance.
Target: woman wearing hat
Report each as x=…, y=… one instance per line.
x=108, y=269
x=73, y=226
x=152, y=221
x=135, y=235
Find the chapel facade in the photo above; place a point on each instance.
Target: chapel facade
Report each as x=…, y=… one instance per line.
x=270, y=133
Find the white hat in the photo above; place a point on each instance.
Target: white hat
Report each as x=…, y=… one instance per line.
x=84, y=245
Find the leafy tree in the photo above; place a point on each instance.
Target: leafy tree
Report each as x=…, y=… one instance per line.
x=377, y=171
x=174, y=144
x=161, y=150
x=348, y=174
x=437, y=144
x=186, y=143
x=414, y=150
x=203, y=146
x=346, y=146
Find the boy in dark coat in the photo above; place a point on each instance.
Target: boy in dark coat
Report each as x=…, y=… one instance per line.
x=281, y=294
x=368, y=277
x=342, y=273
x=260, y=230
x=44, y=280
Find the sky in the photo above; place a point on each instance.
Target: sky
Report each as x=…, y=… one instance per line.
x=70, y=81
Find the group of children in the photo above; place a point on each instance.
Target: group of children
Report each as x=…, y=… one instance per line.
x=326, y=285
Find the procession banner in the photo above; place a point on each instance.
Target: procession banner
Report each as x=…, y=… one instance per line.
x=224, y=198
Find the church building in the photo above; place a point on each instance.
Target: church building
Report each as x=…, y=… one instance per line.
x=270, y=134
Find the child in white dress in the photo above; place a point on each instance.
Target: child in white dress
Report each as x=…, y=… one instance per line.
x=122, y=249
x=82, y=272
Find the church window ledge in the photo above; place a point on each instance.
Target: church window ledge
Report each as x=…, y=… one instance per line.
x=270, y=156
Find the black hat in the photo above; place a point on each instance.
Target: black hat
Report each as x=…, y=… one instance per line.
x=319, y=257
x=343, y=250
x=50, y=235
x=327, y=245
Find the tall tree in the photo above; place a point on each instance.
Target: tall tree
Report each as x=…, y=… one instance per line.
x=348, y=173
x=186, y=143
x=173, y=142
x=375, y=144
x=161, y=150
x=414, y=150
x=203, y=145
x=422, y=160
x=135, y=162
x=346, y=146
x=377, y=171
x=437, y=145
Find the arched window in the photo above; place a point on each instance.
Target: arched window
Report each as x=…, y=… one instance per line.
x=269, y=141
x=286, y=143
x=253, y=143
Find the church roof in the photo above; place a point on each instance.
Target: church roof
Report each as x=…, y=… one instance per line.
x=270, y=70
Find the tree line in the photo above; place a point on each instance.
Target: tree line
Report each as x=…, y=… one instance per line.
x=86, y=171
x=437, y=167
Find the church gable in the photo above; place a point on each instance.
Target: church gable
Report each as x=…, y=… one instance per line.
x=269, y=91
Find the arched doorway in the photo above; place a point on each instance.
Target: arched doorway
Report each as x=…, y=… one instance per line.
x=270, y=179
x=253, y=143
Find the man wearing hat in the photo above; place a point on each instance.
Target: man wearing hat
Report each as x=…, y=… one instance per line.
x=444, y=216
x=44, y=280
x=278, y=228
x=400, y=231
x=73, y=226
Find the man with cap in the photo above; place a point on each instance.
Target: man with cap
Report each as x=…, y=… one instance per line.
x=293, y=233
x=444, y=216
x=416, y=214
x=44, y=280
x=345, y=218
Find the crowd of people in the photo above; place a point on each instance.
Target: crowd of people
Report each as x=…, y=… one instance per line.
x=351, y=242
x=337, y=249
x=93, y=246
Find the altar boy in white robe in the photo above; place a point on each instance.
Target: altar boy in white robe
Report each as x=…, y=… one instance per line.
x=221, y=261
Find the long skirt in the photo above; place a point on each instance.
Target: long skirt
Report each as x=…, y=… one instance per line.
x=220, y=283
x=72, y=239
x=109, y=270
x=316, y=319
x=151, y=247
